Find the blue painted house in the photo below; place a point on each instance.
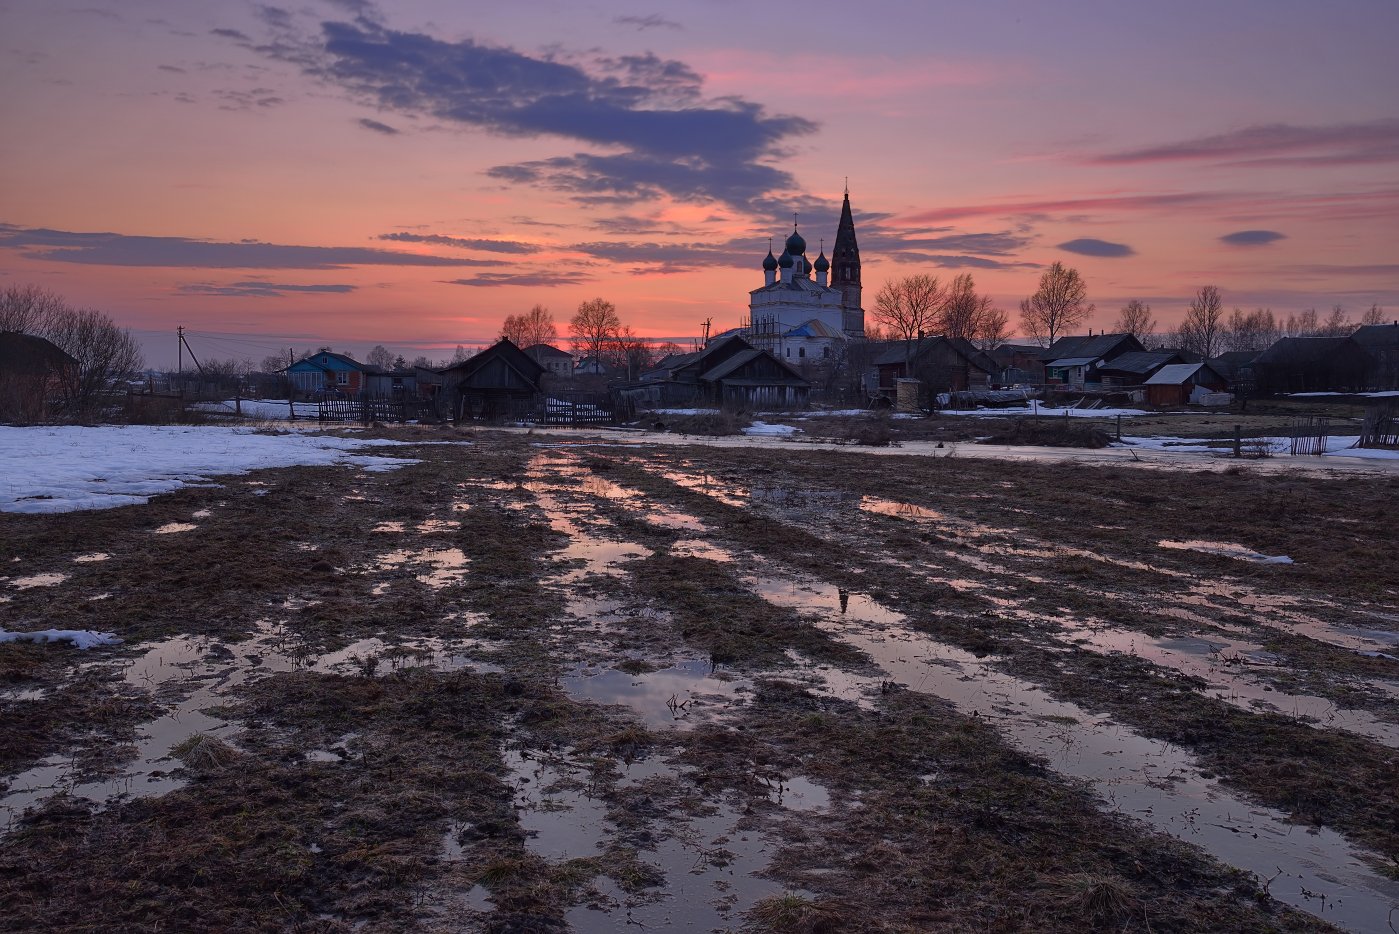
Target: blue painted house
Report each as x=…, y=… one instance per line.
x=329, y=371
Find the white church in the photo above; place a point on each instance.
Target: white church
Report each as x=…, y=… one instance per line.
x=798, y=318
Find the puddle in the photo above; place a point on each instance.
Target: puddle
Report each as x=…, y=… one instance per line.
x=436, y=567
x=680, y=697
x=1136, y=776
x=189, y=674
x=711, y=866
x=1226, y=550
x=560, y=820
x=1228, y=666
x=92, y=558
x=800, y=794
x=171, y=528
x=437, y=526
x=37, y=580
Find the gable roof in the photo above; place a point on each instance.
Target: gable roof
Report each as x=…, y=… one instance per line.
x=505, y=350
x=1094, y=346
x=26, y=353
x=896, y=352
x=1377, y=335
x=742, y=359
x=1177, y=373
x=1304, y=350
x=546, y=350
x=1141, y=362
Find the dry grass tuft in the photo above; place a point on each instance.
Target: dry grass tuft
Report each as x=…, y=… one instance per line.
x=1097, y=898
x=205, y=753
x=793, y=914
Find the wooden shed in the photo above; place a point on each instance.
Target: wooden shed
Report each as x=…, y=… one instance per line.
x=1183, y=383
x=500, y=382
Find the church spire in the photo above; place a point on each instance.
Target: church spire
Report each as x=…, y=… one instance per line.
x=845, y=269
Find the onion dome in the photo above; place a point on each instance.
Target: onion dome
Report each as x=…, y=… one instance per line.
x=822, y=264
x=786, y=261
x=770, y=262
x=795, y=244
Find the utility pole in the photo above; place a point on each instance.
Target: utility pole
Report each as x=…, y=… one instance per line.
x=706, y=330
x=180, y=333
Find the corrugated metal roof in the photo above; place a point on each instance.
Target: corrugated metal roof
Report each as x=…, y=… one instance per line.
x=1174, y=375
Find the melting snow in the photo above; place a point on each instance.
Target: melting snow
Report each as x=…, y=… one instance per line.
x=81, y=638
x=64, y=469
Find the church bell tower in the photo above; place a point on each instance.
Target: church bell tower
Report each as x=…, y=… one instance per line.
x=845, y=272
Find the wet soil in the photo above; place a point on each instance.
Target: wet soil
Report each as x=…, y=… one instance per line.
x=531, y=686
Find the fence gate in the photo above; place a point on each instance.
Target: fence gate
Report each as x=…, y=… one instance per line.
x=1309, y=435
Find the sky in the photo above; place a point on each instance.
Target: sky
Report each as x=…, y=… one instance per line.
x=348, y=173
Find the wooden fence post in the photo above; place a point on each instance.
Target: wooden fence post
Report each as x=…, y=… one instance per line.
x=1238, y=440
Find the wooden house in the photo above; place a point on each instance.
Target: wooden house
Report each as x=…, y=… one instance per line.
x=1237, y=367
x=1313, y=364
x=1077, y=361
x=1381, y=342
x=328, y=372
x=940, y=364
x=1184, y=383
x=555, y=361
x=34, y=375
x=500, y=382
x=728, y=371
x=1135, y=367
x=391, y=384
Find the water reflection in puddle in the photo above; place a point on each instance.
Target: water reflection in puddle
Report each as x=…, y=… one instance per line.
x=188, y=675
x=1140, y=777
x=1226, y=550
x=559, y=818
x=437, y=567
x=711, y=865
x=679, y=697
x=1228, y=667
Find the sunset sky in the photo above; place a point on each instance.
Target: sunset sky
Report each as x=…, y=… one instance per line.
x=345, y=173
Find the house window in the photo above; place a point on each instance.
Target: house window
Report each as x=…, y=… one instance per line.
x=801, y=351
x=825, y=351
x=789, y=351
x=342, y=378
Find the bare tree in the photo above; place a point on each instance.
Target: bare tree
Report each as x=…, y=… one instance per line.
x=1135, y=319
x=1203, y=326
x=535, y=326
x=594, y=327
x=1254, y=330
x=909, y=306
x=1302, y=324
x=1059, y=304
x=970, y=316
x=423, y=361
x=1337, y=323
x=275, y=363
x=1373, y=315
x=461, y=355
x=380, y=356
x=631, y=352
x=28, y=308
x=104, y=353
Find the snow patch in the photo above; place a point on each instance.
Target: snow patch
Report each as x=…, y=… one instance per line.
x=763, y=428
x=70, y=468
x=1227, y=550
x=81, y=638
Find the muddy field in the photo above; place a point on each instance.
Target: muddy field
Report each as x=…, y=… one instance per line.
x=542, y=683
